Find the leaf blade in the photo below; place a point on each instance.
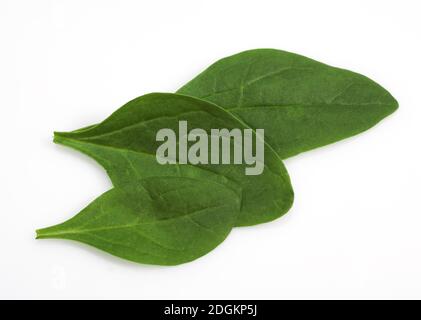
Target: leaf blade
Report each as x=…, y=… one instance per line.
x=124, y=144
x=141, y=221
x=302, y=104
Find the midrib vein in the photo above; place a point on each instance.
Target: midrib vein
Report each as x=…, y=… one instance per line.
x=126, y=226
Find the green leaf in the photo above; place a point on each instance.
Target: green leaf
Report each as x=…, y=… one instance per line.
x=125, y=145
x=165, y=221
x=302, y=104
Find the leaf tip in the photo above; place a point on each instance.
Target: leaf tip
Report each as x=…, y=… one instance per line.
x=395, y=105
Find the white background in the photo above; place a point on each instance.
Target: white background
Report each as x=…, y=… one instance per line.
x=355, y=228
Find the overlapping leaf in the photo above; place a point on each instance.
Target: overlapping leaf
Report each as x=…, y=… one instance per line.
x=302, y=104
x=125, y=145
x=172, y=214
x=163, y=221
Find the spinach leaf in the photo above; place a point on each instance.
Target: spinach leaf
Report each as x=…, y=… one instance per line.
x=125, y=145
x=302, y=104
x=163, y=220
